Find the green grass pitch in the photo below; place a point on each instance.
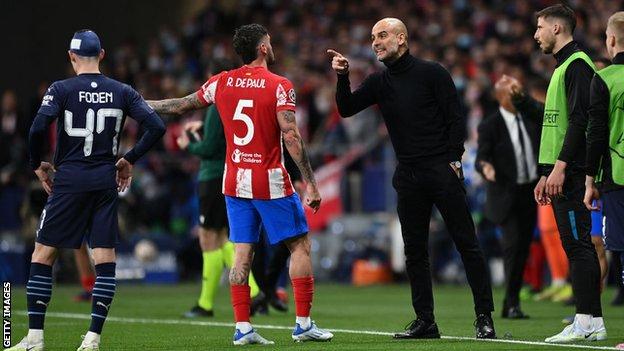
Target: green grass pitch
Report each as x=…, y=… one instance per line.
x=145, y=317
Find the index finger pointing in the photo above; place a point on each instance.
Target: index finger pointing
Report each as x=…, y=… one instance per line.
x=333, y=53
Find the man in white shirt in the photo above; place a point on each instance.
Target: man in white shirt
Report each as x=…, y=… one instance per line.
x=507, y=160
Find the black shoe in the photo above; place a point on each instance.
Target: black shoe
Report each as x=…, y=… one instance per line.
x=278, y=304
x=198, y=312
x=484, y=326
x=259, y=305
x=419, y=329
x=618, y=300
x=514, y=313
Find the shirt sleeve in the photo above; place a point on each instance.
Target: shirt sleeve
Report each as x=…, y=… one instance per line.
x=286, y=96
x=148, y=119
x=485, y=144
x=446, y=95
x=598, y=124
x=578, y=77
x=529, y=108
x=208, y=90
x=37, y=137
x=50, y=109
x=350, y=103
x=52, y=101
x=212, y=145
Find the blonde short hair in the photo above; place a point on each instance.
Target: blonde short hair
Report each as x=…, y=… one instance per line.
x=616, y=24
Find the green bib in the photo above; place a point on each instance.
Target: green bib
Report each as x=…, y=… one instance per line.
x=613, y=76
x=555, y=122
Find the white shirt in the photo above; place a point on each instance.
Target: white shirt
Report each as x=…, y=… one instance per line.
x=512, y=127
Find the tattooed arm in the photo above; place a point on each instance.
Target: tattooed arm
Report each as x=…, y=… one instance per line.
x=296, y=149
x=177, y=106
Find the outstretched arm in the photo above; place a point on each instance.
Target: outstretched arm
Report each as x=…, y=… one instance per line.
x=296, y=148
x=177, y=106
x=350, y=103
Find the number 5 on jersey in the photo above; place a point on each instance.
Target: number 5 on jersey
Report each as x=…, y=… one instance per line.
x=240, y=116
x=87, y=131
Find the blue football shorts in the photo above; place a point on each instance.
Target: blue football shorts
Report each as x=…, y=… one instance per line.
x=282, y=219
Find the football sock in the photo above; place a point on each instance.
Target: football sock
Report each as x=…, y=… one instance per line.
x=244, y=327
x=228, y=254
x=103, y=293
x=241, y=302
x=211, y=274
x=303, y=289
x=584, y=321
x=597, y=323
x=38, y=294
x=87, y=282
x=254, y=289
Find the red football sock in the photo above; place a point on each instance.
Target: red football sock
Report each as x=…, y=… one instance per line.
x=303, y=289
x=87, y=282
x=241, y=302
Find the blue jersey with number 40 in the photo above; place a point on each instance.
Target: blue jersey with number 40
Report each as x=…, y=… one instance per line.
x=90, y=110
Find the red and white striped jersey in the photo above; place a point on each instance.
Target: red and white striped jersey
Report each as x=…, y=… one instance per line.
x=248, y=99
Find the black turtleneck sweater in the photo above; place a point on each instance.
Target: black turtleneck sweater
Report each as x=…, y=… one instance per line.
x=419, y=104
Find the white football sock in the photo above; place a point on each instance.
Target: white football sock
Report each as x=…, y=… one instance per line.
x=244, y=327
x=35, y=335
x=304, y=322
x=91, y=338
x=584, y=322
x=598, y=323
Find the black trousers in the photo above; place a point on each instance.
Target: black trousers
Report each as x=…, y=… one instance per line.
x=267, y=275
x=418, y=189
x=574, y=224
x=517, y=230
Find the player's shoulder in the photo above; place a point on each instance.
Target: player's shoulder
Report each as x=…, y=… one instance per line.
x=115, y=84
x=216, y=78
x=61, y=86
x=276, y=78
x=221, y=74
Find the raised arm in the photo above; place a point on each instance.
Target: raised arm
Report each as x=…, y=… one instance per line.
x=350, y=103
x=177, y=106
x=296, y=148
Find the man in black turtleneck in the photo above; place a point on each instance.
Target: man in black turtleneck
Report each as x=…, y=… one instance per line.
x=419, y=104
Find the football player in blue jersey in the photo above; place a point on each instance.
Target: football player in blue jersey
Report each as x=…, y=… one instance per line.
x=90, y=110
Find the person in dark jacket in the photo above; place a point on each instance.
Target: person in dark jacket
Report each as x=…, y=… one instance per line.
x=507, y=159
x=420, y=107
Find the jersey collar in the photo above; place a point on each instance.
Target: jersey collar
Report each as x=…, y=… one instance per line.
x=566, y=52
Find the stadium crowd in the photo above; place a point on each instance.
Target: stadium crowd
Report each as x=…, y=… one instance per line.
x=476, y=41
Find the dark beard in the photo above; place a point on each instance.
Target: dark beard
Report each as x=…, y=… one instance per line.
x=271, y=58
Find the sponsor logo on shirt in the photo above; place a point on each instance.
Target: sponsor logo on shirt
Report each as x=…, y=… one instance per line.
x=239, y=156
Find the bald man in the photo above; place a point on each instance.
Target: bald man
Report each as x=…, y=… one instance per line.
x=420, y=107
x=507, y=159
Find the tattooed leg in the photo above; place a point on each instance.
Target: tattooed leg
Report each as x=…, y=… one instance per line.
x=239, y=274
